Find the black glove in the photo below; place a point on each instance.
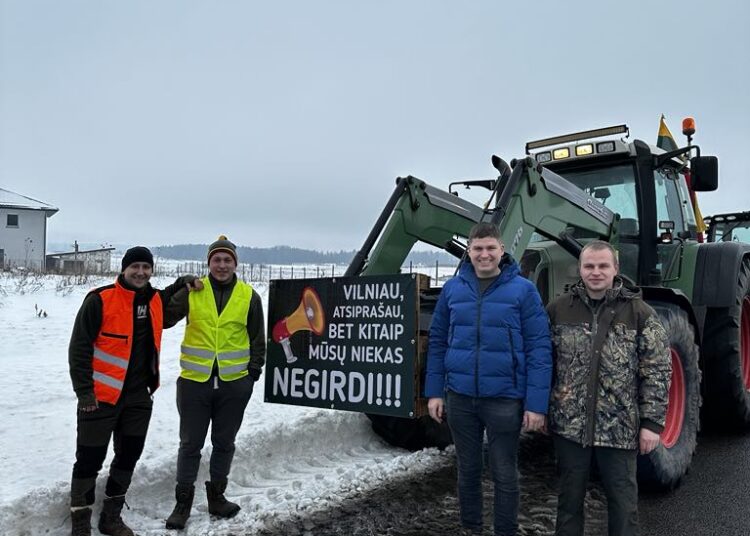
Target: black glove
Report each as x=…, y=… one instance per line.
x=87, y=402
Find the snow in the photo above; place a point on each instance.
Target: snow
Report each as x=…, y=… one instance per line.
x=289, y=460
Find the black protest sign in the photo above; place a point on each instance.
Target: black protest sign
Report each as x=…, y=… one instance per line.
x=343, y=343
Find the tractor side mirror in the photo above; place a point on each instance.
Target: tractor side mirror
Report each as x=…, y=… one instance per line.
x=704, y=173
x=602, y=194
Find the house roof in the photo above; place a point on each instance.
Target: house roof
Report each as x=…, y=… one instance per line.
x=80, y=252
x=10, y=199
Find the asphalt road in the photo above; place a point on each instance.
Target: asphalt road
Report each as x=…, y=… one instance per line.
x=714, y=498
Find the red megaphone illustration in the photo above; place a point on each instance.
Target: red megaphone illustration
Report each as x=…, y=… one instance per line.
x=308, y=316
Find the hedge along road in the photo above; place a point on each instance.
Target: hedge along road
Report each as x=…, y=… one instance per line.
x=712, y=500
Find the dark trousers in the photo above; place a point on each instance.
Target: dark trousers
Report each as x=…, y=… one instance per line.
x=617, y=468
x=220, y=404
x=128, y=422
x=468, y=418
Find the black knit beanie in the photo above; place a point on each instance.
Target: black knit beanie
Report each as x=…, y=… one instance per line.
x=137, y=254
x=222, y=244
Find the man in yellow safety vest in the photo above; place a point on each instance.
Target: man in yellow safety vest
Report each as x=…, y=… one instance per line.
x=221, y=358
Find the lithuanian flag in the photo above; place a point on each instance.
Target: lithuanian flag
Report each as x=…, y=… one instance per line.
x=665, y=141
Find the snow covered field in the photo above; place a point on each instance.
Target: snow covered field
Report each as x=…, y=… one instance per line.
x=289, y=460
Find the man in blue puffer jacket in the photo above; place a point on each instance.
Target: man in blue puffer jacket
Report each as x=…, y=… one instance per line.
x=489, y=367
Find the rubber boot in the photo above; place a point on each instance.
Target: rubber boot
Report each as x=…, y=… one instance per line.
x=218, y=505
x=184, y=494
x=110, y=522
x=80, y=520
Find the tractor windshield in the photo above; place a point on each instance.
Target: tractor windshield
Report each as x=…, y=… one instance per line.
x=733, y=231
x=614, y=187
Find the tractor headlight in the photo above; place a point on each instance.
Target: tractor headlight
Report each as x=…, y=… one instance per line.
x=543, y=158
x=605, y=147
x=584, y=150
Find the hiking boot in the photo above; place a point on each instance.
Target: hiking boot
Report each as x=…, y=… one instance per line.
x=218, y=505
x=110, y=522
x=184, y=494
x=80, y=521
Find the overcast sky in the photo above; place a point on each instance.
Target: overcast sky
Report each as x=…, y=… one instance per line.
x=286, y=122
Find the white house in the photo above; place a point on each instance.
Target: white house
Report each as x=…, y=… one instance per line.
x=23, y=231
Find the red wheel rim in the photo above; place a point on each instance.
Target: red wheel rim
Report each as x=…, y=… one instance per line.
x=745, y=341
x=676, y=406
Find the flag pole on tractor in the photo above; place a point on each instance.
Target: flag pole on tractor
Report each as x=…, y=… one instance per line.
x=665, y=141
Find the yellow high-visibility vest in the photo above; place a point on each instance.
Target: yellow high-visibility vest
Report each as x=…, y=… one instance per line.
x=212, y=337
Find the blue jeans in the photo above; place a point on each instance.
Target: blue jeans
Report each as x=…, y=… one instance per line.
x=468, y=418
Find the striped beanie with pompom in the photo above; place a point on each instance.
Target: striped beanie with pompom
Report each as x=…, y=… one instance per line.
x=222, y=244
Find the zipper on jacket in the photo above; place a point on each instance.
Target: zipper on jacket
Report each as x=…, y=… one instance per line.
x=514, y=357
x=114, y=335
x=476, y=361
x=588, y=438
x=479, y=328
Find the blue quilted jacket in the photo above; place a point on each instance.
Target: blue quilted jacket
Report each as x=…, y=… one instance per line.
x=493, y=345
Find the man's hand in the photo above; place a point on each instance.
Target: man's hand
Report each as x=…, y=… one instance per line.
x=195, y=284
x=648, y=441
x=436, y=407
x=533, y=422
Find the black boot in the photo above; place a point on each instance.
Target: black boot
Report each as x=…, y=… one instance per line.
x=218, y=505
x=80, y=521
x=184, y=494
x=81, y=498
x=110, y=522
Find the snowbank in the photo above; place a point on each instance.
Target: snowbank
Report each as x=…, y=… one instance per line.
x=288, y=460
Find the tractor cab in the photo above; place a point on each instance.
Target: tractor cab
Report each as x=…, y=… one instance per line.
x=648, y=187
x=730, y=227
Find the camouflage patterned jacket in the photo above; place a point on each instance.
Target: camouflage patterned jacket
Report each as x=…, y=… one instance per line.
x=612, y=368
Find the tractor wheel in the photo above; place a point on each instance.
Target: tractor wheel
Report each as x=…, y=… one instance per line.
x=411, y=434
x=663, y=468
x=727, y=360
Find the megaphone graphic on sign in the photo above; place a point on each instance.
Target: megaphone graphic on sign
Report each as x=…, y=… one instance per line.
x=308, y=316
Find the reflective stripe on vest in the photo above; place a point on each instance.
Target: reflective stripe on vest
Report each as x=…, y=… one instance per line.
x=210, y=337
x=114, y=343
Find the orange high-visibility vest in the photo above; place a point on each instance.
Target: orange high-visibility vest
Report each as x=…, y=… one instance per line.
x=114, y=342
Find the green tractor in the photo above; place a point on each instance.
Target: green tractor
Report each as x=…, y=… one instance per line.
x=729, y=227
x=566, y=191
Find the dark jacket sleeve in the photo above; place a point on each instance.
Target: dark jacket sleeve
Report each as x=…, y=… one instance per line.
x=174, y=300
x=81, y=348
x=257, y=332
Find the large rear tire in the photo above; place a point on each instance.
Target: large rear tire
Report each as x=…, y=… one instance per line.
x=411, y=434
x=663, y=468
x=726, y=352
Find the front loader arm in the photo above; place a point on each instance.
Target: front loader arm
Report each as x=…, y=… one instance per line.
x=537, y=200
x=415, y=212
x=532, y=199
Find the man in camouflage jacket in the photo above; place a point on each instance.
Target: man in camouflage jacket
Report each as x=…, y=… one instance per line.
x=609, y=396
